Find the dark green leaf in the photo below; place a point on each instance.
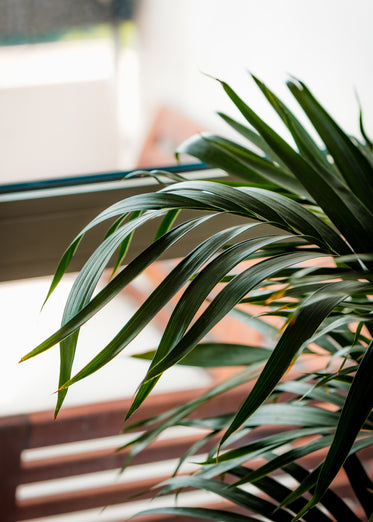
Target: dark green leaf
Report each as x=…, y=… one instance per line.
x=345, y=210
x=123, y=248
x=254, y=138
x=285, y=458
x=307, y=319
x=190, y=302
x=231, y=294
x=332, y=501
x=275, y=489
x=360, y=482
x=236, y=159
x=358, y=405
x=306, y=145
x=209, y=514
x=354, y=167
x=212, y=355
x=179, y=276
x=167, y=222
x=117, y=284
x=237, y=496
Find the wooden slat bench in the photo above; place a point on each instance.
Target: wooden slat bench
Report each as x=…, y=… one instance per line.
x=83, y=423
x=97, y=421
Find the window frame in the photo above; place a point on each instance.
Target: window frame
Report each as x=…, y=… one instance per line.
x=37, y=224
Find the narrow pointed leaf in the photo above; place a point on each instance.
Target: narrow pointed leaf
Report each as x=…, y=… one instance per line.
x=345, y=210
x=177, y=415
x=83, y=288
x=357, y=407
x=237, y=496
x=275, y=489
x=273, y=207
x=305, y=143
x=167, y=222
x=363, y=131
x=123, y=249
x=332, y=501
x=259, y=448
x=136, y=266
x=213, y=355
x=236, y=159
x=299, y=330
x=254, y=138
x=223, y=303
x=360, y=482
x=352, y=164
x=191, y=301
x=284, y=459
x=308, y=483
x=160, y=296
x=208, y=514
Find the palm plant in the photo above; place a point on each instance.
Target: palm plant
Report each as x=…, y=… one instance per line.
x=312, y=274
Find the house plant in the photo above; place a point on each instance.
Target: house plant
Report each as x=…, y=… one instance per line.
x=313, y=275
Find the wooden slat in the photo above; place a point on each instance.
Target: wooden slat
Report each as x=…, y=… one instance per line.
x=96, y=420
x=79, y=500
x=13, y=436
x=93, y=421
x=119, y=493
x=106, y=419
x=107, y=496
x=103, y=460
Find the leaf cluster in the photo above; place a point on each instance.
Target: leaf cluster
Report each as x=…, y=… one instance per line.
x=311, y=278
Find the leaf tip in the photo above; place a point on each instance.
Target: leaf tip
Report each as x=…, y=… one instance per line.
x=26, y=357
x=256, y=79
x=211, y=76
x=57, y=408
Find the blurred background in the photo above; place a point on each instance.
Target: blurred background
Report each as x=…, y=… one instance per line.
x=106, y=85
x=92, y=87
x=101, y=86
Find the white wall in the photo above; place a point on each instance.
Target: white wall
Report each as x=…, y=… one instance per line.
x=59, y=114
x=58, y=110
x=48, y=131
x=326, y=43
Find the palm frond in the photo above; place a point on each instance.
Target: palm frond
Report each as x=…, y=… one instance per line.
x=311, y=276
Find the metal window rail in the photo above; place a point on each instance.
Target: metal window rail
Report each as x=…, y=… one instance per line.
x=39, y=220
